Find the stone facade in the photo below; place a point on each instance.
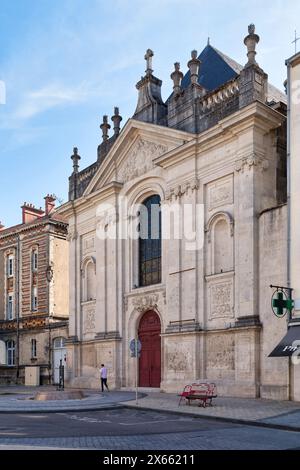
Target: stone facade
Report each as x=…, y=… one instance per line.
x=220, y=145
x=34, y=303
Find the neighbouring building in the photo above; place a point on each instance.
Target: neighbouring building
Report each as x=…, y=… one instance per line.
x=34, y=296
x=219, y=141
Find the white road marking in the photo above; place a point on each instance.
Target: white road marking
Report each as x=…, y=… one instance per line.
x=151, y=422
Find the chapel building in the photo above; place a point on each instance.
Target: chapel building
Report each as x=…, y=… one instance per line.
x=203, y=313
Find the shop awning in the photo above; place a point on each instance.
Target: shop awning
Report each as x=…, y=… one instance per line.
x=289, y=345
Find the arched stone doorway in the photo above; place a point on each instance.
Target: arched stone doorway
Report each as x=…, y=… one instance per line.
x=150, y=359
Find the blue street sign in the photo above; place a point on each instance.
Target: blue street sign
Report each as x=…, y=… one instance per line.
x=133, y=347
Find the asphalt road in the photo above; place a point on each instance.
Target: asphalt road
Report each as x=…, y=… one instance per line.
x=136, y=429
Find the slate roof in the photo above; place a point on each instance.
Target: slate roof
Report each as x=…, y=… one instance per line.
x=217, y=69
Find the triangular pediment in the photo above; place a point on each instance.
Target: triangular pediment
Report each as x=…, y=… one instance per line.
x=139, y=159
x=133, y=154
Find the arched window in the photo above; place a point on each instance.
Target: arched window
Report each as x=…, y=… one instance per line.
x=34, y=279
x=10, y=353
x=34, y=260
x=150, y=242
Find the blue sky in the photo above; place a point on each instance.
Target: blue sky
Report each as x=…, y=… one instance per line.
x=65, y=63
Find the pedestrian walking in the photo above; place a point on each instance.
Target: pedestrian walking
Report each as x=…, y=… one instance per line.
x=103, y=377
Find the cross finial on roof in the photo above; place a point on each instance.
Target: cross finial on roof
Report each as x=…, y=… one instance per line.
x=148, y=58
x=296, y=41
x=208, y=41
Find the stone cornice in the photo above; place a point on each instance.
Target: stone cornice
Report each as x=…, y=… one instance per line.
x=81, y=204
x=129, y=134
x=294, y=60
x=40, y=224
x=256, y=115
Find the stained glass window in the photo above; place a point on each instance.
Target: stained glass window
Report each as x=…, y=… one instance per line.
x=150, y=242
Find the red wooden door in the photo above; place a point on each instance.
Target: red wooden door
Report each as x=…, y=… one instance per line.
x=150, y=359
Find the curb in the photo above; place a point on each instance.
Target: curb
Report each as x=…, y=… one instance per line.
x=244, y=422
x=61, y=410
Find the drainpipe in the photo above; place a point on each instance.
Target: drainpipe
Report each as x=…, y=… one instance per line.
x=18, y=307
x=289, y=205
x=289, y=179
x=48, y=308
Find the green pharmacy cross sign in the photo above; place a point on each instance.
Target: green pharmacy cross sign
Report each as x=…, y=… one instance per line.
x=282, y=301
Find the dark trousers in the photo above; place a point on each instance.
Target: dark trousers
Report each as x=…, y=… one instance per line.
x=103, y=382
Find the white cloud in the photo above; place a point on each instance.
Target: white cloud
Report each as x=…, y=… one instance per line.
x=51, y=96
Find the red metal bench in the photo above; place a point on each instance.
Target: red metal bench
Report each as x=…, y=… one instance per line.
x=203, y=392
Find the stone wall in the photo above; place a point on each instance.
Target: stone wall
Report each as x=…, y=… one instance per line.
x=274, y=374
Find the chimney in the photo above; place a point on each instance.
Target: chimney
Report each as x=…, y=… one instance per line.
x=30, y=213
x=49, y=203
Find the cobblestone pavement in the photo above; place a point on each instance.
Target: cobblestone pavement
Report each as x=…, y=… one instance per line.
x=206, y=435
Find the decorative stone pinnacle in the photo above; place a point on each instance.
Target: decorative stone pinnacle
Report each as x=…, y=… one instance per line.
x=75, y=158
x=251, y=42
x=251, y=28
x=194, y=65
x=116, y=119
x=105, y=128
x=148, y=58
x=177, y=77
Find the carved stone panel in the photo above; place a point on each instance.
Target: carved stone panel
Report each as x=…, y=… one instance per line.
x=106, y=355
x=179, y=358
x=88, y=244
x=89, y=324
x=221, y=352
x=89, y=319
x=220, y=193
x=243, y=355
x=220, y=295
x=140, y=160
x=146, y=302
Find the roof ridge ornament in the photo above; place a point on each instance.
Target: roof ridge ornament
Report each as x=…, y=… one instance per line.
x=177, y=77
x=148, y=58
x=75, y=158
x=116, y=119
x=251, y=42
x=194, y=65
x=296, y=41
x=105, y=128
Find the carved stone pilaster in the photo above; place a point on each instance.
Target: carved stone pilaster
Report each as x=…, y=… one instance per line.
x=253, y=160
x=146, y=302
x=72, y=235
x=176, y=192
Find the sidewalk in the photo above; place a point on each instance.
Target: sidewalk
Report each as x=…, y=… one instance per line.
x=268, y=413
